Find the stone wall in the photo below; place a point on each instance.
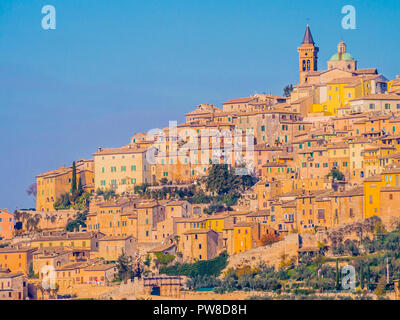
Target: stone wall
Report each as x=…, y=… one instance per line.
x=270, y=255
x=124, y=290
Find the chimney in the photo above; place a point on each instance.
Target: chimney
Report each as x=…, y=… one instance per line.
x=397, y=77
x=99, y=149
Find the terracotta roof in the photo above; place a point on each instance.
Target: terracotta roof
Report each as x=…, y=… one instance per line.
x=197, y=231
x=162, y=248
x=390, y=189
x=366, y=71
x=275, y=164
x=8, y=275
x=115, y=238
x=244, y=224
x=51, y=252
x=176, y=203
x=101, y=267
x=375, y=178
x=151, y=204
x=239, y=100
x=260, y=213
x=16, y=249
x=341, y=145
x=357, y=191
x=68, y=236
x=382, y=96
x=123, y=150
x=391, y=170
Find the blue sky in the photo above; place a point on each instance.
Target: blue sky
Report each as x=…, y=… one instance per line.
x=110, y=70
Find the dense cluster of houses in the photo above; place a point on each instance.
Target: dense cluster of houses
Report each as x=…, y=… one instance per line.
x=325, y=154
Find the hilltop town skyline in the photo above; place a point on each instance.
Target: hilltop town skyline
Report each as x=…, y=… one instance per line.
x=200, y=151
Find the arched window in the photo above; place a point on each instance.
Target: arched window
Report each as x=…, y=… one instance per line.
x=304, y=65
x=308, y=65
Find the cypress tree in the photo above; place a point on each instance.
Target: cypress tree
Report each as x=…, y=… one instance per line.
x=337, y=275
x=361, y=276
x=80, y=187
x=73, y=183
x=368, y=277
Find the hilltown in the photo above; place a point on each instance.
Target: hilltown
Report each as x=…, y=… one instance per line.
x=323, y=156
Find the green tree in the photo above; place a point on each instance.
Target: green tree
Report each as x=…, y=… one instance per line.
x=381, y=287
x=287, y=90
x=164, y=259
x=336, y=175
x=124, y=267
x=63, y=202
x=221, y=180
x=80, y=186
x=31, y=273
x=73, y=180
x=337, y=275
x=79, y=221
x=362, y=276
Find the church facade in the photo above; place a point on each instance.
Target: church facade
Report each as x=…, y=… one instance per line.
x=329, y=92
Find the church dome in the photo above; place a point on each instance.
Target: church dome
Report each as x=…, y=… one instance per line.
x=342, y=56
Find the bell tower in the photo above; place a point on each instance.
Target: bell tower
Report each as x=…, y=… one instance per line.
x=308, y=56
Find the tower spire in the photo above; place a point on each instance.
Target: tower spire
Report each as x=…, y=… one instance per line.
x=307, y=36
x=308, y=56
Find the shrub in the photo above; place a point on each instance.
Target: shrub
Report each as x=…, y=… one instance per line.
x=164, y=258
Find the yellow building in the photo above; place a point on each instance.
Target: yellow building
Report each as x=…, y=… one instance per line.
x=52, y=184
x=199, y=244
x=373, y=188
x=372, y=158
x=13, y=286
x=16, y=259
x=121, y=169
x=113, y=218
x=82, y=244
x=149, y=213
x=54, y=257
x=214, y=222
x=110, y=248
x=88, y=272
x=394, y=85
x=356, y=149
x=339, y=158
x=243, y=233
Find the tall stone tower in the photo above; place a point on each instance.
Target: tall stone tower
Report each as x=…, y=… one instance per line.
x=308, y=56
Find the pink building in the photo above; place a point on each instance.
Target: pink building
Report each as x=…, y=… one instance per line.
x=6, y=224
